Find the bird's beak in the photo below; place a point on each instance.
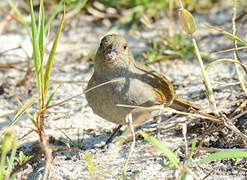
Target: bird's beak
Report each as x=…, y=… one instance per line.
x=111, y=54
x=112, y=49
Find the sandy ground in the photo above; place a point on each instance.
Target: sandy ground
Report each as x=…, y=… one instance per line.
x=72, y=70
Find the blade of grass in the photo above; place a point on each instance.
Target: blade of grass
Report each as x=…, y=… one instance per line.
x=171, y=156
x=32, y=119
x=223, y=155
x=90, y=164
x=28, y=114
x=192, y=151
x=59, y=103
x=58, y=9
x=51, y=95
x=41, y=27
x=227, y=34
x=67, y=136
x=114, y=176
x=5, y=146
x=7, y=114
x=36, y=52
x=51, y=56
x=20, y=16
x=23, y=109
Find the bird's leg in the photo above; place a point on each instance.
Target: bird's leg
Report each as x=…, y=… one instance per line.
x=113, y=134
x=158, y=120
x=132, y=148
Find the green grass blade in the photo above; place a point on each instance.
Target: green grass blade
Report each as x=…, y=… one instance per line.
x=112, y=175
x=51, y=57
x=36, y=52
x=58, y=9
x=72, y=142
x=7, y=114
x=20, y=16
x=171, y=156
x=223, y=155
x=23, y=109
x=206, y=80
x=12, y=158
x=90, y=164
x=41, y=27
x=227, y=34
x=6, y=144
x=51, y=95
x=31, y=118
x=29, y=115
x=192, y=151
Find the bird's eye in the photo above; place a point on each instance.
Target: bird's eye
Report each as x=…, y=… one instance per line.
x=125, y=47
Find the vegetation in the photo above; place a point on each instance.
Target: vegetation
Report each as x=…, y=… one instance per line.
x=169, y=45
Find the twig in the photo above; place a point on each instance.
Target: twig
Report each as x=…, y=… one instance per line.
x=227, y=50
x=7, y=50
x=228, y=123
x=239, y=109
x=11, y=67
x=140, y=109
x=239, y=115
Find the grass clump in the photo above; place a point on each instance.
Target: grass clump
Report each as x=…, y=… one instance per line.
x=37, y=35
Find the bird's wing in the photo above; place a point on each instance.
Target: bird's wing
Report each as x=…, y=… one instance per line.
x=164, y=89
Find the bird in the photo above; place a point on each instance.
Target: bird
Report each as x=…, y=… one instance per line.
x=132, y=83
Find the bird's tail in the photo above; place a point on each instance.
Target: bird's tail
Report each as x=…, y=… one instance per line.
x=183, y=105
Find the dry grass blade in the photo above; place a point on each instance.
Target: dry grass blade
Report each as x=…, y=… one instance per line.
x=59, y=103
x=12, y=67
x=235, y=52
x=239, y=115
x=6, y=20
x=211, y=150
x=227, y=60
x=102, y=84
x=11, y=49
x=239, y=109
x=228, y=123
x=140, y=109
x=228, y=50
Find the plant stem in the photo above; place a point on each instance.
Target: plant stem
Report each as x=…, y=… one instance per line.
x=206, y=81
x=235, y=53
